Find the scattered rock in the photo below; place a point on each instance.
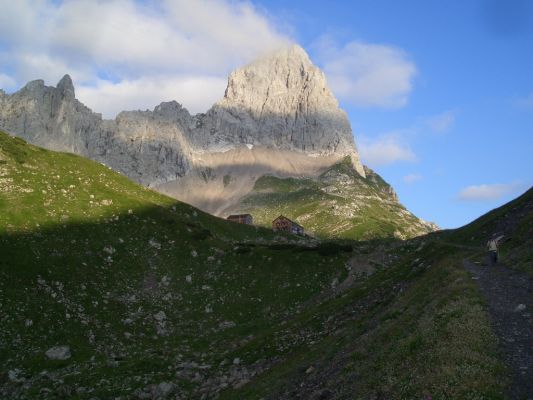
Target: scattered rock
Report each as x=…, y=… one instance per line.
x=163, y=390
x=520, y=307
x=58, y=353
x=109, y=249
x=226, y=324
x=160, y=316
x=156, y=245
x=14, y=375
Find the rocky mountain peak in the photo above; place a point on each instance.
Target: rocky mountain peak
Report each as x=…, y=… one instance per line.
x=34, y=86
x=278, y=83
x=66, y=87
x=282, y=101
x=277, y=116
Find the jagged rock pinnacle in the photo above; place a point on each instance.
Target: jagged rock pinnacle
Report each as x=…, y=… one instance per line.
x=66, y=87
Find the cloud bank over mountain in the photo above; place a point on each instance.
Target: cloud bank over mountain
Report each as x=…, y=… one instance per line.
x=128, y=52
x=367, y=74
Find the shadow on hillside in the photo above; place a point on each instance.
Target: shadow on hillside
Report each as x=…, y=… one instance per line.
x=139, y=235
x=145, y=236
x=150, y=237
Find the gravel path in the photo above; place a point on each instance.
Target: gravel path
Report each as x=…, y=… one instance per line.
x=509, y=296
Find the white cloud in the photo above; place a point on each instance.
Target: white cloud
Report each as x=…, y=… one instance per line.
x=198, y=93
x=385, y=150
x=128, y=41
x=367, y=74
x=488, y=192
x=442, y=122
x=6, y=81
x=412, y=178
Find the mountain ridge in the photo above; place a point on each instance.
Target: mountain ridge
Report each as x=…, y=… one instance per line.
x=54, y=118
x=277, y=118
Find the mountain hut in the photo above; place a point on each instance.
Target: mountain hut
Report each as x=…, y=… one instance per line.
x=246, y=219
x=284, y=224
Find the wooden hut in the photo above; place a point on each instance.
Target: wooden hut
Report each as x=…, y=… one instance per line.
x=284, y=224
x=241, y=219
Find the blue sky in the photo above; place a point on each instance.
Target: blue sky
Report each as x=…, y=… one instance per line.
x=468, y=120
x=439, y=94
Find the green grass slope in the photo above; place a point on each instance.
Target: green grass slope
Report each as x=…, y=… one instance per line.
x=92, y=260
x=514, y=220
x=415, y=329
x=157, y=299
x=338, y=204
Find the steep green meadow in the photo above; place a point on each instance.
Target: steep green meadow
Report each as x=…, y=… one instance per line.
x=337, y=204
x=89, y=259
x=157, y=299
x=514, y=220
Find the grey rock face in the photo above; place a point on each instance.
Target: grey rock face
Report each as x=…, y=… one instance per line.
x=279, y=102
x=58, y=353
x=149, y=147
x=49, y=117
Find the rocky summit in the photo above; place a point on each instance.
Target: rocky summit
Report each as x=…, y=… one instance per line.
x=277, y=118
x=283, y=102
x=278, y=102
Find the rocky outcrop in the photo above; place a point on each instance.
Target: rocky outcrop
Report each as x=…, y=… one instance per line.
x=277, y=117
x=50, y=117
x=283, y=102
x=279, y=102
x=150, y=147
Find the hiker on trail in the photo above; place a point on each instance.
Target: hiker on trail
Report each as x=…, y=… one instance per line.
x=492, y=247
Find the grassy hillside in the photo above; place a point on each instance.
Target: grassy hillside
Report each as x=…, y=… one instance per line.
x=514, y=220
x=157, y=299
x=90, y=259
x=339, y=204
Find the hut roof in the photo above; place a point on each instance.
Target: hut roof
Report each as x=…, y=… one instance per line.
x=288, y=219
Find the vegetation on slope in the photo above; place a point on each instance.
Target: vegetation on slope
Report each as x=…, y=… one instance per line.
x=339, y=204
x=416, y=328
x=514, y=220
x=157, y=298
x=131, y=280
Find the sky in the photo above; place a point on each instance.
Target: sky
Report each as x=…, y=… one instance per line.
x=439, y=94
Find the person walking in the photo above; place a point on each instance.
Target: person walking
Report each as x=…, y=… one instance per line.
x=492, y=247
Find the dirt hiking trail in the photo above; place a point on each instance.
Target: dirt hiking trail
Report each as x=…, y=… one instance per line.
x=509, y=297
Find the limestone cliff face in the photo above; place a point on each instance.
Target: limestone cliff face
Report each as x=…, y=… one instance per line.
x=49, y=117
x=280, y=101
x=277, y=116
x=149, y=147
